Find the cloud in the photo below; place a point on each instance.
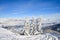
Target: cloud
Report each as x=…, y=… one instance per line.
x=14, y=10
x=14, y=13
x=1, y=8
x=57, y=7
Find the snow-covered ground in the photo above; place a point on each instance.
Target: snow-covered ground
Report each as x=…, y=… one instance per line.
x=8, y=35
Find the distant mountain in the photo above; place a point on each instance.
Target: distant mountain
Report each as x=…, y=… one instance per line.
x=55, y=27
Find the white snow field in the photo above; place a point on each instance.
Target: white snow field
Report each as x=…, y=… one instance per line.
x=8, y=35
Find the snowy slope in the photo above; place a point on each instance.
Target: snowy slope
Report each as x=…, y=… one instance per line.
x=7, y=35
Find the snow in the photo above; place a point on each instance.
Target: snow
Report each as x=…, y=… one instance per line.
x=8, y=35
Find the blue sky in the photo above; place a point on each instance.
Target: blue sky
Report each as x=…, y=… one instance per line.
x=24, y=8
